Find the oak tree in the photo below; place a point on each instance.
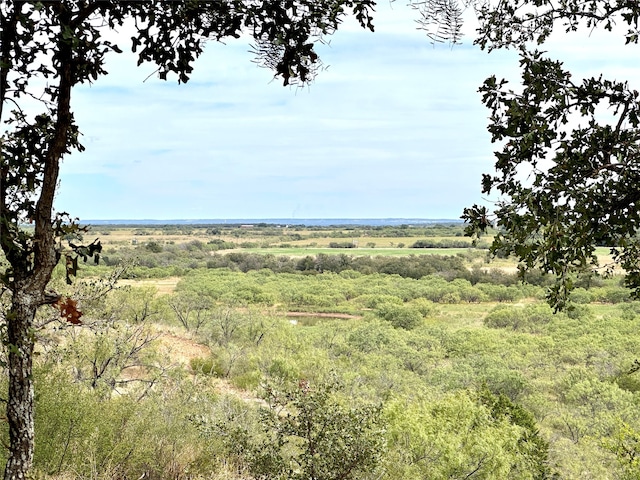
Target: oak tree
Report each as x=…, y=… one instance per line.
x=47, y=48
x=567, y=166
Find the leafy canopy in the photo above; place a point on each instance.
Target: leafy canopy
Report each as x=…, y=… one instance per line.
x=567, y=167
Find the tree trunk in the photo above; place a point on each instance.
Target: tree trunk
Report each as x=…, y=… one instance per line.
x=20, y=403
x=32, y=269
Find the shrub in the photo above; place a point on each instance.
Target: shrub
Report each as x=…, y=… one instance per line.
x=350, y=274
x=629, y=381
x=309, y=432
x=194, y=245
x=526, y=319
x=370, y=300
x=611, y=295
x=154, y=247
x=578, y=311
x=500, y=293
x=447, y=243
x=219, y=244
x=450, y=298
x=283, y=370
x=581, y=296
x=464, y=435
x=625, y=444
x=342, y=245
x=81, y=435
x=424, y=306
x=400, y=316
x=206, y=366
x=629, y=311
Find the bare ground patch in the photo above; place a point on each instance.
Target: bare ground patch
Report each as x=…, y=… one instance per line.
x=181, y=349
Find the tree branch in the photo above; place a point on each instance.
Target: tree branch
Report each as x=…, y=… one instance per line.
x=8, y=26
x=45, y=257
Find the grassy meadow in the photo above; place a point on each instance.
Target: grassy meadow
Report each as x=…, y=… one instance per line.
x=289, y=353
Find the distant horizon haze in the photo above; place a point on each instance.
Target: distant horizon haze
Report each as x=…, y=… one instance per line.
x=277, y=221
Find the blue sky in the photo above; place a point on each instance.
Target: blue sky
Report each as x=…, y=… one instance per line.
x=394, y=128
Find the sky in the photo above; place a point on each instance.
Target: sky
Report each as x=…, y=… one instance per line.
x=393, y=128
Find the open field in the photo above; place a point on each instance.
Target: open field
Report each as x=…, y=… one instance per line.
x=273, y=236
x=178, y=372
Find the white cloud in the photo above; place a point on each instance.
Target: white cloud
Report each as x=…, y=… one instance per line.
x=393, y=128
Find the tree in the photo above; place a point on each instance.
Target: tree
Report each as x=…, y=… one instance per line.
x=568, y=164
x=47, y=48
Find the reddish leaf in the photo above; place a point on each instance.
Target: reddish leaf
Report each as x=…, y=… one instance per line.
x=69, y=310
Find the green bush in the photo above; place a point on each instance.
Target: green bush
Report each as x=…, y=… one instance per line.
x=400, y=316
x=369, y=300
x=283, y=370
x=625, y=445
x=628, y=381
x=310, y=431
x=372, y=337
x=446, y=243
x=154, y=247
x=219, y=244
x=629, y=311
x=342, y=245
x=500, y=293
x=424, y=306
x=530, y=318
x=610, y=295
x=578, y=311
x=450, y=298
x=464, y=435
x=581, y=296
x=206, y=366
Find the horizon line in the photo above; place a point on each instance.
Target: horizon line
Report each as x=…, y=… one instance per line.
x=279, y=220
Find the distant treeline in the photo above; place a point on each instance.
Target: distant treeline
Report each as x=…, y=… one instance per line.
x=449, y=267
x=180, y=260
x=445, y=243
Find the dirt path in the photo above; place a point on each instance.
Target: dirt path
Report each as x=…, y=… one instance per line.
x=181, y=349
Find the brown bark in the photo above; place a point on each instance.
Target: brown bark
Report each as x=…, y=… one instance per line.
x=20, y=400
